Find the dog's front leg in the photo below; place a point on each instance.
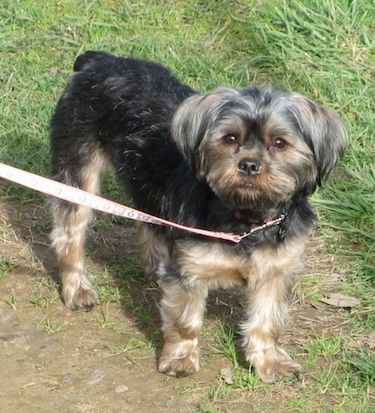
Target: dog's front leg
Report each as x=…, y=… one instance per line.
x=267, y=315
x=182, y=310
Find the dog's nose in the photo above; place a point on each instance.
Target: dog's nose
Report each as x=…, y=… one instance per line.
x=249, y=167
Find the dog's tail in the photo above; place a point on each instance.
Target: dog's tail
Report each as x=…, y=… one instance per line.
x=87, y=59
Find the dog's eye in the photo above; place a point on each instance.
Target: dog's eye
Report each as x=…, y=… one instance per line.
x=279, y=143
x=230, y=139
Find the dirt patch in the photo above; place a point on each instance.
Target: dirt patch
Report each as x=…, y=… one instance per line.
x=105, y=360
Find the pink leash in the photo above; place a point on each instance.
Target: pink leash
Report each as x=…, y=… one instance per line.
x=80, y=197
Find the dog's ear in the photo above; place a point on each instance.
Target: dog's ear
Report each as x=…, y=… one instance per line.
x=325, y=134
x=192, y=121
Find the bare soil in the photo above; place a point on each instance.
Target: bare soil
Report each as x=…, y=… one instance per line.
x=54, y=360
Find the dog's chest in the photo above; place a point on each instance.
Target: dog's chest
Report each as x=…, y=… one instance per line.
x=222, y=267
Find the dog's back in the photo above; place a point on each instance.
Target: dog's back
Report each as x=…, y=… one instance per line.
x=107, y=100
x=103, y=84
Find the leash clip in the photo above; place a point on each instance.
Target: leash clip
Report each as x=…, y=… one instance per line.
x=272, y=223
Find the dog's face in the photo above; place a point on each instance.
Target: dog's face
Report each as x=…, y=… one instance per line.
x=257, y=148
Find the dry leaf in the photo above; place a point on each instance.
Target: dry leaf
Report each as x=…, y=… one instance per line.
x=339, y=300
x=367, y=340
x=226, y=375
x=371, y=340
x=54, y=70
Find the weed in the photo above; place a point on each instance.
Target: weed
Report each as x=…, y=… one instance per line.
x=130, y=345
x=47, y=326
x=42, y=297
x=13, y=301
x=107, y=322
x=363, y=366
x=6, y=265
x=225, y=344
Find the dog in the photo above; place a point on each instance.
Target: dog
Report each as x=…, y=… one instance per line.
x=228, y=160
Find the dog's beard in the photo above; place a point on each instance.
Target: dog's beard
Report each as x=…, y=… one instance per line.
x=249, y=195
x=269, y=190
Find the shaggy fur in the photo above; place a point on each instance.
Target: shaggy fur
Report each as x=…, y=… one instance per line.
x=229, y=160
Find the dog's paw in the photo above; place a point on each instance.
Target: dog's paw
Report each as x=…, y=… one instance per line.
x=180, y=367
x=179, y=359
x=81, y=298
x=278, y=370
x=274, y=364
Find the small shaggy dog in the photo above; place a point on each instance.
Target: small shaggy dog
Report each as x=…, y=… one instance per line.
x=228, y=160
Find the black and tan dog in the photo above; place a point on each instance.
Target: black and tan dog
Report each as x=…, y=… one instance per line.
x=229, y=160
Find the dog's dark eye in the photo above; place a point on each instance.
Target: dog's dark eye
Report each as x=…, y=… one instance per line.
x=230, y=139
x=279, y=143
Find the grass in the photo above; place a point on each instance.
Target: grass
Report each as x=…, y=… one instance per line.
x=13, y=301
x=6, y=265
x=48, y=326
x=320, y=48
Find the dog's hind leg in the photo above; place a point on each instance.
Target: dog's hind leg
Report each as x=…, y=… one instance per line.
x=152, y=247
x=70, y=224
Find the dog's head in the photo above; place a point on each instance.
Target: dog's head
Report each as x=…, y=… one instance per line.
x=256, y=148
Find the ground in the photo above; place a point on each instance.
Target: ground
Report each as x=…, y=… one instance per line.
x=105, y=360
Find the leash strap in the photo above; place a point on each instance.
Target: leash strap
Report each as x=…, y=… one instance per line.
x=80, y=197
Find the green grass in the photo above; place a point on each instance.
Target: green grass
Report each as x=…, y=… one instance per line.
x=13, y=301
x=48, y=326
x=6, y=265
x=320, y=48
